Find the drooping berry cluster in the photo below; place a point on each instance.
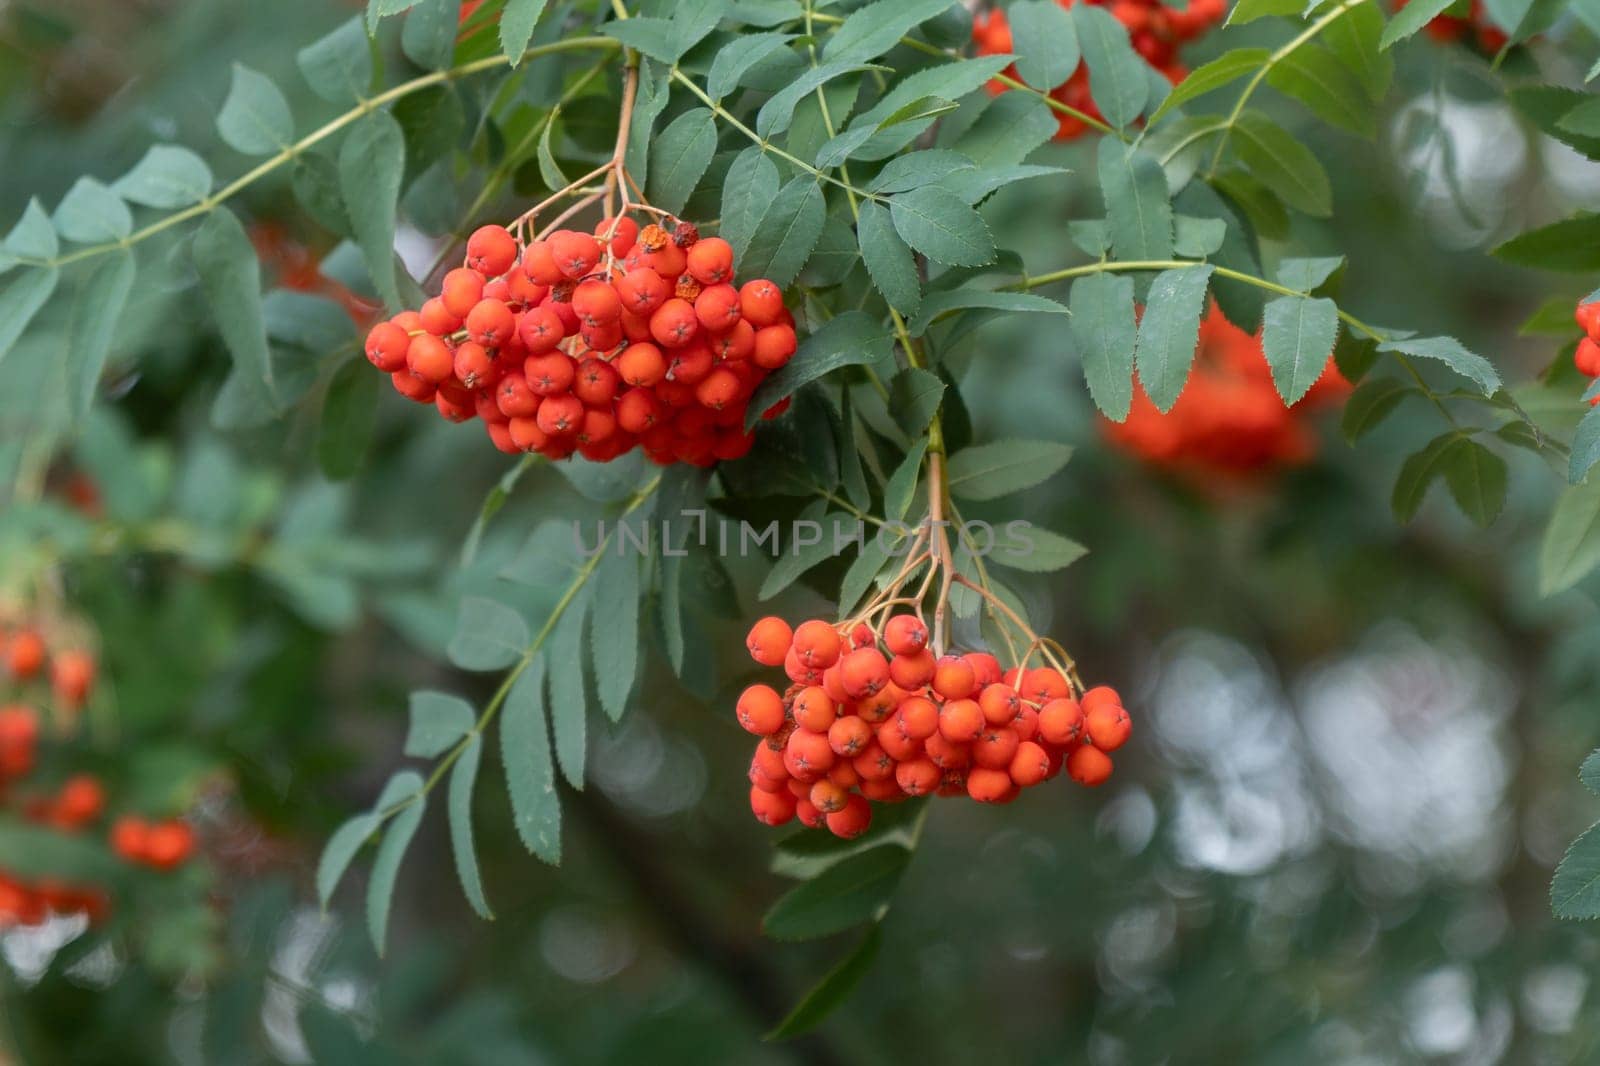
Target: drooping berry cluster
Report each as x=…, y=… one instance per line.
x=1229, y=419
x=872, y=715
x=34, y=677
x=1156, y=30
x=1465, y=22
x=594, y=343
x=1587, y=357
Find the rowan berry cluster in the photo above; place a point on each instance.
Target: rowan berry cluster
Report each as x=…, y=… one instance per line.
x=1587, y=357
x=1464, y=22
x=872, y=714
x=594, y=343
x=1229, y=420
x=1156, y=30
x=34, y=677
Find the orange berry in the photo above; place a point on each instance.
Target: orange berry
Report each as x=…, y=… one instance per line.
x=1061, y=721
x=761, y=302
x=864, y=672
x=852, y=820
x=769, y=640
x=1108, y=727
x=129, y=836
x=905, y=634
x=575, y=254
x=813, y=709
x=717, y=308
x=1587, y=358
x=71, y=675
x=169, y=844
x=995, y=748
x=624, y=232
x=1030, y=765
x=912, y=670
x=674, y=323
x=807, y=755
x=491, y=323
x=774, y=347
x=917, y=777
x=1588, y=317
x=644, y=365
x=710, y=261
x=25, y=654
x=1100, y=696
x=760, y=710
x=386, y=347
x=642, y=290
x=817, y=644
x=873, y=764
x=849, y=736
x=1089, y=766
x=771, y=808
x=985, y=668
x=999, y=702
x=1041, y=685
x=491, y=250
x=961, y=721
x=918, y=718
x=893, y=740
x=461, y=290
x=953, y=678
x=827, y=797
x=988, y=785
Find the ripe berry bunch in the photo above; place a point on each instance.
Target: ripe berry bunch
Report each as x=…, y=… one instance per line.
x=1465, y=22
x=1156, y=30
x=594, y=343
x=1229, y=419
x=873, y=714
x=1587, y=357
x=161, y=845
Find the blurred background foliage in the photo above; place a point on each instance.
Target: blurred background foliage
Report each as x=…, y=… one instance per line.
x=1331, y=841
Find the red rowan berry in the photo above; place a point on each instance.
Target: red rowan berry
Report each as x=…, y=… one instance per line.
x=684, y=234
x=774, y=346
x=878, y=706
x=637, y=412
x=491, y=323
x=882, y=790
x=905, y=634
x=988, y=785
x=540, y=329
x=521, y=291
x=827, y=797
x=560, y=414
x=851, y=821
x=912, y=670
x=130, y=837
x=953, y=678
x=862, y=636
x=873, y=763
x=430, y=359
x=437, y=319
x=691, y=364
x=808, y=813
x=947, y=754
x=1108, y=727
x=864, y=672
x=1042, y=685
x=654, y=237
x=575, y=254
x=813, y=709
x=409, y=321
x=515, y=398
x=769, y=641
x=800, y=790
x=413, y=387
x=817, y=644
x=761, y=302
x=642, y=364
x=849, y=736
x=687, y=289
x=475, y=367
x=999, y=702
x=710, y=261
x=772, y=808
x=642, y=290
x=1100, y=696
x=985, y=668
x=500, y=437
x=1026, y=723
x=453, y=406
x=961, y=721
x=71, y=674
x=917, y=777
x=1061, y=721
x=1587, y=358
x=995, y=747
x=917, y=718
x=491, y=250
x=1089, y=766
x=719, y=390
x=596, y=383
x=807, y=755
x=539, y=264
x=674, y=324
x=1030, y=765
x=768, y=759
x=799, y=671
x=623, y=232
x=668, y=261
x=763, y=782
x=1588, y=317
x=526, y=434
x=760, y=710
x=386, y=347
x=549, y=374
x=734, y=345
x=833, y=685
x=717, y=308
x=461, y=290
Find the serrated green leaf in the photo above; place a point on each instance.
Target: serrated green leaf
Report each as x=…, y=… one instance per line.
x=914, y=397
x=749, y=186
x=463, y=776
x=91, y=213
x=777, y=114
x=1297, y=336
x=1045, y=40
x=1250, y=10
x=828, y=994
x=614, y=629
x=516, y=27
x=349, y=416
x=1138, y=213
x=1117, y=79
x=1196, y=238
x=1575, y=891
x=945, y=301
x=1570, y=550
x=372, y=162
x=916, y=169
x=1353, y=37
x=428, y=34
x=1589, y=772
x=789, y=229
x=679, y=157
x=568, y=702
x=1477, y=479
x=397, y=836
x=378, y=9
x=530, y=773
x=1208, y=77
x=974, y=186
x=1169, y=332
x=437, y=722
x=849, y=339
x=21, y=300
x=340, y=851
x=1283, y=164
x=738, y=56
x=1585, y=446
x=852, y=891
x=1104, y=329
x=1370, y=404
x=940, y=225
x=1451, y=353
x=801, y=554
x=230, y=276
x=1418, y=473
x=1573, y=244
x=488, y=635
x=33, y=236
x=991, y=471
x=888, y=260
x=1409, y=19
x=1317, y=79
x=1036, y=551
x=167, y=177
x=1308, y=275
x=872, y=30
x=901, y=487
x=98, y=310
x=338, y=67
x=255, y=118
x=655, y=37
